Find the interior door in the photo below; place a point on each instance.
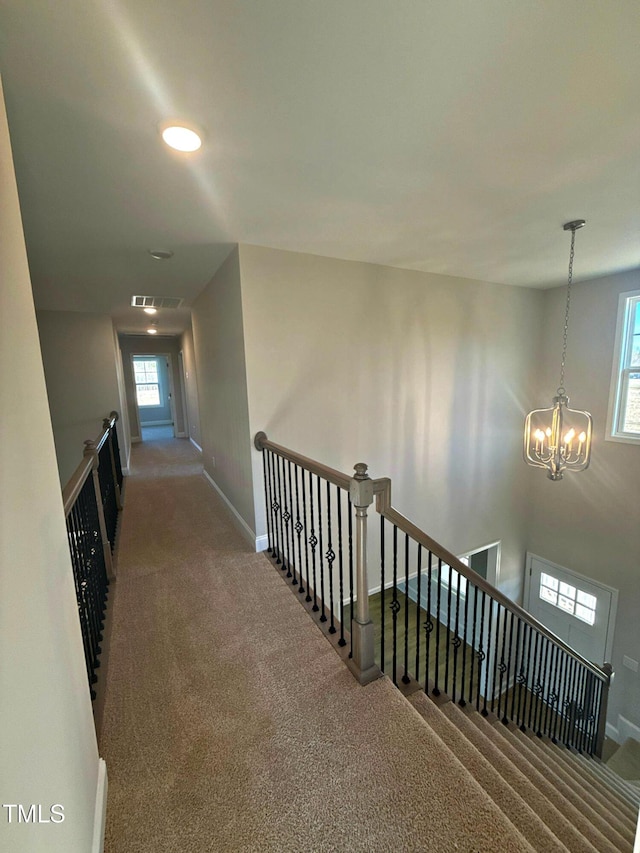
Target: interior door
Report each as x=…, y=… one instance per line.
x=578, y=610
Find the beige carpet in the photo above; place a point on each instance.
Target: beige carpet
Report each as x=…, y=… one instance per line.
x=230, y=724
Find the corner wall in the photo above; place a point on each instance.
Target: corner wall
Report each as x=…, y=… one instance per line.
x=82, y=383
x=588, y=521
x=219, y=346
x=191, y=387
x=425, y=377
x=47, y=737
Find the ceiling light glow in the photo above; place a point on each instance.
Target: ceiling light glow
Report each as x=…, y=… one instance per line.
x=161, y=254
x=152, y=331
x=181, y=138
x=150, y=310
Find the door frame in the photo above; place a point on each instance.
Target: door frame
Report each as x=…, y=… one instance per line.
x=172, y=401
x=613, y=610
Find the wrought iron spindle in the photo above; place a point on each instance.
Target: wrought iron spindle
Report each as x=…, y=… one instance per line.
x=480, y=652
x=436, y=686
x=299, y=527
x=350, y=528
x=76, y=561
x=522, y=678
x=543, y=676
x=418, y=608
x=108, y=492
x=267, y=502
x=331, y=556
x=456, y=639
x=323, y=595
x=405, y=678
x=462, y=701
x=516, y=671
x=535, y=686
x=428, y=625
x=283, y=504
x=382, y=595
x=286, y=518
x=502, y=668
x=88, y=594
x=290, y=537
x=395, y=604
x=448, y=642
x=339, y=501
x=490, y=664
x=313, y=541
x=274, y=511
x=528, y=693
x=113, y=434
x=473, y=640
x=306, y=538
x=554, y=696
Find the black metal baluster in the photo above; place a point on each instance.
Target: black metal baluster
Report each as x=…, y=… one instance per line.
x=323, y=597
x=382, y=595
x=350, y=530
x=299, y=528
x=543, y=676
x=395, y=604
x=76, y=560
x=428, y=625
x=306, y=528
x=405, y=678
x=279, y=510
x=436, y=679
x=313, y=541
x=341, y=641
x=286, y=517
x=462, y=701
x=490, y=658
x=480, y=653
x=265, y=462
x=567, y=702
x=554, y=706
x=331, y=556
x=525, y=685
x=473, y=640
x=290, y=531
x=581, y=718
x=448, y=645
x=535, y=681
x=502, y=666
x=456, y=639
x=90, y=605
x=563, y=672
x=516, y=673
x=274, y=511
x=418, y=608
x=505, y=718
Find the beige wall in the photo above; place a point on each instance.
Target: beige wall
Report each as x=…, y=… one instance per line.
x=82, y=384
x=222, y=387
x=424, y=377
x=589, y=521
x=191, y=387
x=147, y=345
x=47, y=739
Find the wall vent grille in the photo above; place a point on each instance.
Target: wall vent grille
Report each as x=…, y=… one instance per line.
x=156, y=301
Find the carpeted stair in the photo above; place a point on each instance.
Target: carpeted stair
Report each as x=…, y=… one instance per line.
x=556, y=799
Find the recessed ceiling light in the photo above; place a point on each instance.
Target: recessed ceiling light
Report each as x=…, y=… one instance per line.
x=150, y=310
x=152, y=331
x=181, y=138
x=161, y=254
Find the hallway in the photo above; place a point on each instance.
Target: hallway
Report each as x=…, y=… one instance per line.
x=230, y=723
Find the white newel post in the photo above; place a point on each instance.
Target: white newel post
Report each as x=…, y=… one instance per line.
x=362, y=663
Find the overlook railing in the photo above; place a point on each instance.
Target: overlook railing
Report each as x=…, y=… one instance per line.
x=92, y=499
x=437, y=625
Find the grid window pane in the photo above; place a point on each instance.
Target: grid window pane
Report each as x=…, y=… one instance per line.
x=586, y=614
x=549, y=595
x=549, y=580
x=566, y=604
x=587, y=600
x=567, y=590
x=148, y=395
x=631, y=419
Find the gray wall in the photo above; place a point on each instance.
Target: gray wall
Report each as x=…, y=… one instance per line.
x=47, y=738
x=148, y=345
x=82, y=381
x=589, y=522
x=191, y=387
x=222, y=387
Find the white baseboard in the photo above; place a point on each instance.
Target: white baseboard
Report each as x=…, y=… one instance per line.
x=125, y=471
x=241, y=524
x=262, y=543
x=100, y=815
x=612, y=732
x=627, y=729
x=195, y=444
x=135, y=439
x=181, y=435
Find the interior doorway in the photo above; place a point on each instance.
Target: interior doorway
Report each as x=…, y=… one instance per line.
x=154, y=397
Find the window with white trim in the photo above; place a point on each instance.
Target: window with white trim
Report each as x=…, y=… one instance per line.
x=566, y=597
x=146, y=379
x=624, y=406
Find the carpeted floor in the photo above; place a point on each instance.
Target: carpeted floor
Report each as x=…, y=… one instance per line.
x=230, y=724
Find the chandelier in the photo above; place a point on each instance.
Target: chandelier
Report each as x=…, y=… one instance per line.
x=559, y=438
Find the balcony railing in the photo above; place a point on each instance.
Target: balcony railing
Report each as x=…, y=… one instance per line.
x=92, y=499
x=430, y=622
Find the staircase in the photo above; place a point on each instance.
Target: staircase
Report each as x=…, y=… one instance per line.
x=556, y=799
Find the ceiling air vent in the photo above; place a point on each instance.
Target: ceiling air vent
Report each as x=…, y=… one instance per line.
x=156, y=301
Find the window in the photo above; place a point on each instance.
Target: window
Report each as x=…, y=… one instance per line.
x=624, y=406
x=574, y=601
x=146, y=376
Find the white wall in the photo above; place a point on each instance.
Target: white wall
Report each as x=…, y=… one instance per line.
x=82, y=383
x=222, y=386
x=147, y=345
x=588, y=522
x=191, y=387
x=424, y=377
x=47, y=739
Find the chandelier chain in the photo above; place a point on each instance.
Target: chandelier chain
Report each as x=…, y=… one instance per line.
x=561, y=389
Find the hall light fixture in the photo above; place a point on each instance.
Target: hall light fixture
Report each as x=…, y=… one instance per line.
x=152, y=331
x=161, y=254
x=181, y=138
x=150, y=310
x=559, y=438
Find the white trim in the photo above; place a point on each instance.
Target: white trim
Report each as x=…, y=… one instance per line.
x=195, y=444
x=135, y=439
x=612, y=732
x=125, y=471
x=627, y=729
x=614, y=387
x=262, y=543
x=241, y=524
x=181, y=435
x=100, y=814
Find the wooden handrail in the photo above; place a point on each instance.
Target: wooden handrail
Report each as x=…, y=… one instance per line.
x=382, y=492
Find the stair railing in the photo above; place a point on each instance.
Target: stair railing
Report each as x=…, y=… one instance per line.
x=91, y=499
x=440, y=626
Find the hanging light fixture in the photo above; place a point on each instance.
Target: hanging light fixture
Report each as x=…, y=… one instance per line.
x=559, y=438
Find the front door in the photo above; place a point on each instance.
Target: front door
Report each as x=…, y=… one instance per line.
x=577, y=609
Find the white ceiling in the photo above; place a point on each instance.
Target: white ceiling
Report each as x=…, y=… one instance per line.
x=453, y=136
